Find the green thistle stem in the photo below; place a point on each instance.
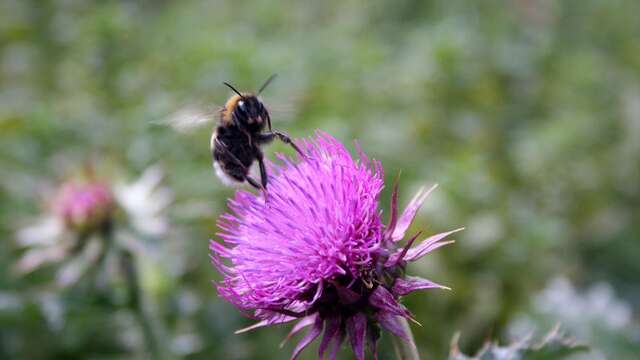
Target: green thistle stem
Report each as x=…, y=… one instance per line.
x=136, y=303
x=405, y=350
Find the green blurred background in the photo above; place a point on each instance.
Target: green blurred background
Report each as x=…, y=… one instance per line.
x=527, y=113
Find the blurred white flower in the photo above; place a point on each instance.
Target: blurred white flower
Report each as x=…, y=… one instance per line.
x=144, y=202
x=597, y=305
x=87, y=216
x=595, y=316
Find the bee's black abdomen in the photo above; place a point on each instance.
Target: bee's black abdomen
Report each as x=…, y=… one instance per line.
x=234, y=152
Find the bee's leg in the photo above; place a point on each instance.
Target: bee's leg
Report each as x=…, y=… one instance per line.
x=265, y=138
x=248, y=178
x=253, y=182
x=287, y=140
x=263, y=171
x=269, y=123
x=224, y=148
x=249, y=139
x=268, y=137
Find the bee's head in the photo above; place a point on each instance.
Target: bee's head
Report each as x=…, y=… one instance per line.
x=246, y=110
x=250, y=112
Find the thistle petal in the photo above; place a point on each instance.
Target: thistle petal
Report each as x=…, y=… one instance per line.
x=428, y=245
x=44, y=233
x=338, y=339
x=331, y=329
x=398, y=256
x=391, y=323
x=373, y=335
x=277, y=319
x=393, y=216
x=409, y=213
x=71, y=272
x=410, y=284
x=313, y=333
x=382, y=299
x=257, y=325
x=36, y=257
x=357, y=331
x=303, y=323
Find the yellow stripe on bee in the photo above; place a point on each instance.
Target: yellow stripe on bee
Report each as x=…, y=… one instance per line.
x=229, y=106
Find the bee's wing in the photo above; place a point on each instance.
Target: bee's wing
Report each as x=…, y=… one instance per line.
x=283, y=109
x=188, y=118
x=279, y=111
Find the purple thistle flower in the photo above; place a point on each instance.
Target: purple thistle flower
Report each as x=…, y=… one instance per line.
x=316, y=251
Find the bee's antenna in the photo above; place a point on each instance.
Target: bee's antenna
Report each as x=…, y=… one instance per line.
x=234, y=89
x=266, y=83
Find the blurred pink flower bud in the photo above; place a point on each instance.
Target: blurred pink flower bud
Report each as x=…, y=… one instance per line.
x=84, y=206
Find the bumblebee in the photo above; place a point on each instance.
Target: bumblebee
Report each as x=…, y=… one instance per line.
x=237, y=140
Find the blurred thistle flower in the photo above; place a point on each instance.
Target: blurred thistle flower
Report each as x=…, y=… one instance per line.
x=317, y=251
x=82, y=216
x=83, y=205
